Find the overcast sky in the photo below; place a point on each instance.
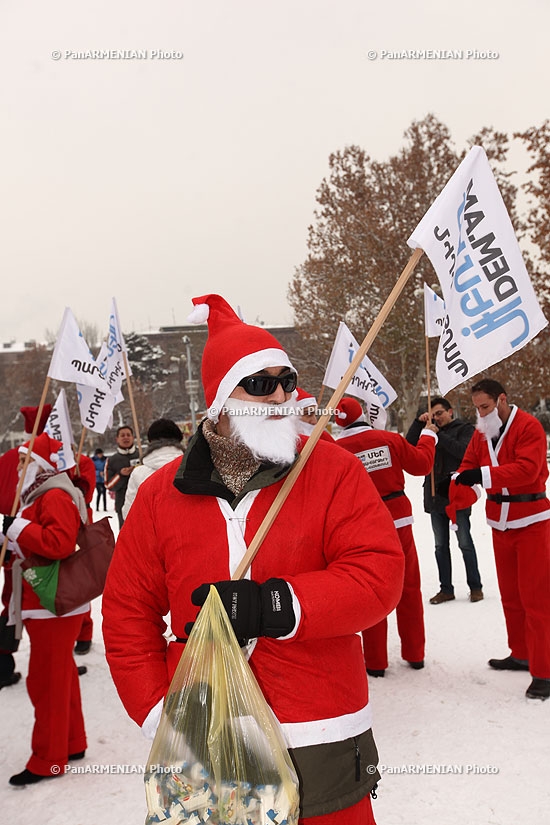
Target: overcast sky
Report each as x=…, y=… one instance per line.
x=157, y=179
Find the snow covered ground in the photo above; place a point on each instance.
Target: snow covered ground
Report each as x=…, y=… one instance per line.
x=458, y=742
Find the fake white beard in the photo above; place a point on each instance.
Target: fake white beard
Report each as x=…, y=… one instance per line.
x=489, y=425
x=267, y=438
x=30, y=475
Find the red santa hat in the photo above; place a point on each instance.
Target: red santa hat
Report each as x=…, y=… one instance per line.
x=460, y=498
x=303, y=399
x=233, y=350
x=348, y=411
x=44, y=451
x=29, y=414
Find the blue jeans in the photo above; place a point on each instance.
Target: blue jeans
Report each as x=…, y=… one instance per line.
x=440, y=527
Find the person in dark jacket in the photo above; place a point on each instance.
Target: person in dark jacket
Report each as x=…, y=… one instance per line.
x=119, y=466
x=454, y=436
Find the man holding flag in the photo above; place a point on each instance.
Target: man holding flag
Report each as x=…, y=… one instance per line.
x=507, y=456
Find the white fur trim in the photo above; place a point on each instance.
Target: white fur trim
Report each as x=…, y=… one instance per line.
x=486, y=477
x=516, y=524
x=319, y=731
x=199, y=315
x=16, y=528
x=247, y=365
x=403, y=522
x=39, y=460
x=431, y=434
x=149, y=727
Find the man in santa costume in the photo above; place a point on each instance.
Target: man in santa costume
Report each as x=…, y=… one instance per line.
x=329, y=566
x=507, y=456
x=385, y=455
x=8, y=486
x=47, y=524
x=306, y=404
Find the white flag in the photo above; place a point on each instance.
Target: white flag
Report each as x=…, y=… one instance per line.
x=368, y=383
x=434, y=313
x=72, y=360
x=110, y=359
x=59, y=426
x=491, y=307
x=96, y=404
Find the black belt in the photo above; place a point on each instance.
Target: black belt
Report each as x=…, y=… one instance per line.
x=393, y=495
x=500, y=499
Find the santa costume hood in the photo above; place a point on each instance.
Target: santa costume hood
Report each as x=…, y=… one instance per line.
x=349, y=411
x=233, y=351
x=44, y=451
x=304, y=400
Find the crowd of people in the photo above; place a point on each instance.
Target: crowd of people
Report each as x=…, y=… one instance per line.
x=339, y=558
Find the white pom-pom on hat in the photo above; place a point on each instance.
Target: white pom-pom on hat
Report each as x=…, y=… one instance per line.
x=54, y=458
x=199, y=315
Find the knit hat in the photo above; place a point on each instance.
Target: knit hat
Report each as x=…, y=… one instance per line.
x=29, y=414
x=44, y=451
x=164, y=429
x=233, y=350
x=303, y=399
x=460, y=498
x=348, y=411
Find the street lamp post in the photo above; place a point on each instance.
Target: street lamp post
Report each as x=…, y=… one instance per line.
x=191, y=385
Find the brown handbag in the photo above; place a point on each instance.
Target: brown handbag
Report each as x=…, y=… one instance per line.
x=63, y=585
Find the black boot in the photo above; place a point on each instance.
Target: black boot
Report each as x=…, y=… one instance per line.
x=509, y=663
x=26, y=777
x=539, y=689
x=376, y=673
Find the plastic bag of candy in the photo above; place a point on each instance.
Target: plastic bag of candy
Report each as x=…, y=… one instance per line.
x=218, y=757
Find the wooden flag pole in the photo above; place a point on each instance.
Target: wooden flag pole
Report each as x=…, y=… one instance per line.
x=15, y=505
x=79, y=451
x=427, y=340
x=321, y=395
x=291, y=478
x=132, y=405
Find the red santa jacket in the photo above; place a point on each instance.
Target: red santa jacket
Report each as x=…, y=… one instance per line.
x=515, y=467
x=48, y=526
x=333, y=541
x=385, y=455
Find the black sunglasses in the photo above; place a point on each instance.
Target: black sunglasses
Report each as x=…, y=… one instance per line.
x=267, y=384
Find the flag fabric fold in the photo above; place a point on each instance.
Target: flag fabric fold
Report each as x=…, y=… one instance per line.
x=72, y=360
x=367, y=383
x=434, y=313
x=59, y=426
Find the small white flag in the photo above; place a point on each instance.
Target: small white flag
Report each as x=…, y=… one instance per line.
x=491, y=307
x=110, y=359
x=368, y=383
x=72, y=360
x=59, y=426
x=434, y=313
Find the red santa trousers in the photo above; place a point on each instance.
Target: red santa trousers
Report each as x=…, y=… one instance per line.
x=53, y=689
x=87, y=629
x=409, y=611
x=358, y=814
x=522, y=560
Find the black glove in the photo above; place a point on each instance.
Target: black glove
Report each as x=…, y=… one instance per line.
x=469, y=477
x=7, y=523
x=442, y=488
x=253, y=609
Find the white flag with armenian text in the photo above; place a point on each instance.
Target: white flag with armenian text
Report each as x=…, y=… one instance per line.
x=491, y=307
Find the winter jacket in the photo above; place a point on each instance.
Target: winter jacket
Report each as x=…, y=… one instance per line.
x=334, y=542
x=156, y=456
x=452, y=441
